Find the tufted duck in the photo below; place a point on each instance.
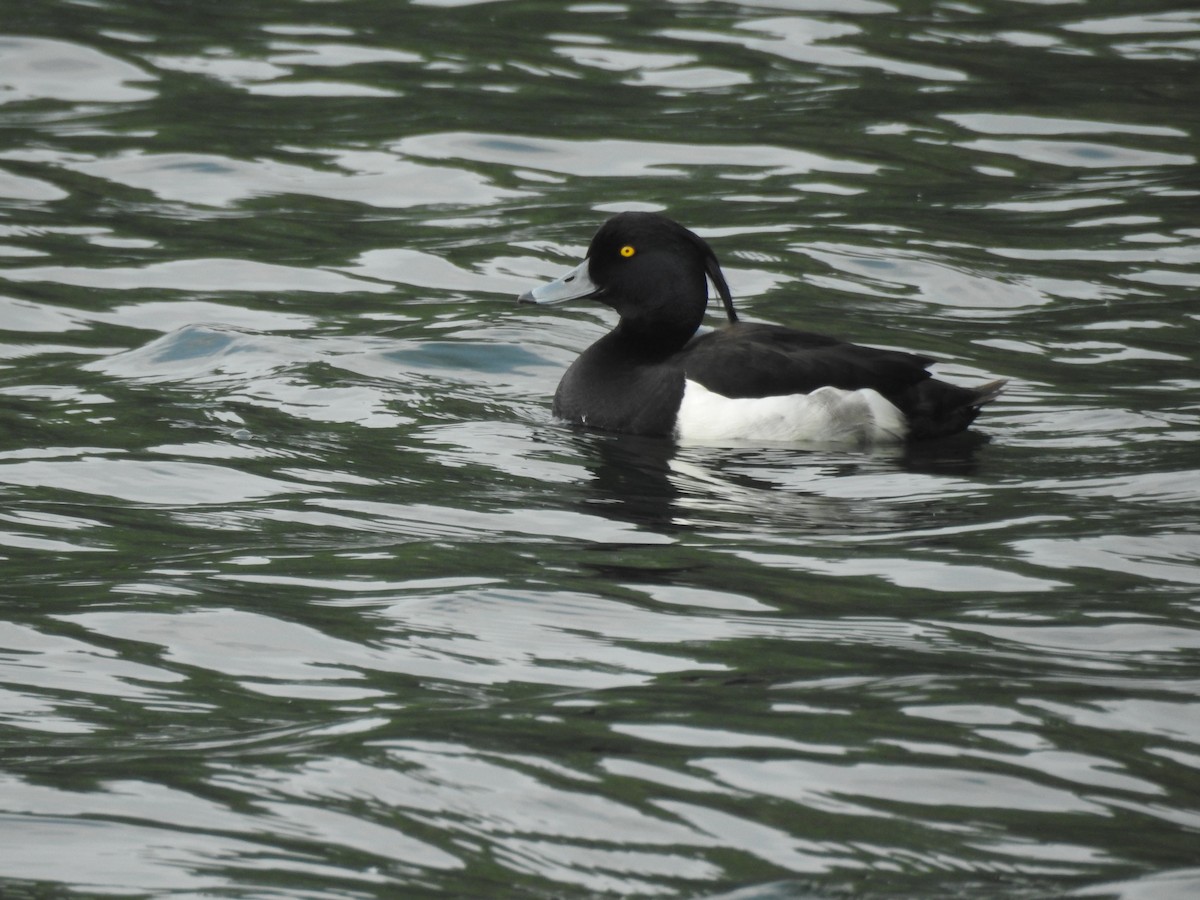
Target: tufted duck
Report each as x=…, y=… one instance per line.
x=654, y=375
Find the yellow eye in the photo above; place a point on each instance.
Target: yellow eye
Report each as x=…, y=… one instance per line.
x=628, y=251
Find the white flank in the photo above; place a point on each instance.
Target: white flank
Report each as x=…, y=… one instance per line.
x=826, y=416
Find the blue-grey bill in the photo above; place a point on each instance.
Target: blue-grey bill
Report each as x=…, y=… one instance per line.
x=575, y=284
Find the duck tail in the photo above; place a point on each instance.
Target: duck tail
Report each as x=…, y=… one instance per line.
x=936, y=409
x=986, y=393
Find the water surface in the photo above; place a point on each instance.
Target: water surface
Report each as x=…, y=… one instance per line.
x=307, y=595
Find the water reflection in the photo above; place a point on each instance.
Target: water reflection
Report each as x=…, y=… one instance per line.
x=659, y=485
x=802, y=40
x=37, y=68
x=307, y=595
x=197, y=275
x=610, y=158
x=377, y=179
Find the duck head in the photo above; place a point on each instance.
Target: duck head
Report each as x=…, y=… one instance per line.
x=648, y=268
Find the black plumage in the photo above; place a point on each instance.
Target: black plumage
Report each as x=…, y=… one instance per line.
x=653, y=272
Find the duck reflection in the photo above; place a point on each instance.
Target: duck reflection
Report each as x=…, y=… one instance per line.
x=659, y=484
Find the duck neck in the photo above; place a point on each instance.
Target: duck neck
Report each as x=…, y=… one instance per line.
x=653, y=341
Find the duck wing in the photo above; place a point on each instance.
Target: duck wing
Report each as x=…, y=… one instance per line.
x=755, y=360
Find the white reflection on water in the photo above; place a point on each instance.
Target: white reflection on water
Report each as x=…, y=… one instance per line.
x=24, y=315
x=370, y=177
x=37, y=68
x=715, y=738
x=506, y=801
x=46, y=665
x=814, y=42
x=149, y=837
x=895, y=272
x=1181, y=884
x=20, y=187
x=613, y=157
x=826, y=787
x=1001, y=123
x=199, y=275
x=915, y=572
x=414, y=267
x=466, y=637
x=1176, y=720
x=1146, y=23
x=1164, y=557
x=287, y=53
x=1080, y=154
x=158, y=482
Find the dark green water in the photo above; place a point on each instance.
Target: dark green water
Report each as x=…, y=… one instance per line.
x=306, y=595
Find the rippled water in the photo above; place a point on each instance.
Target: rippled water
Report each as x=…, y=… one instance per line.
x=306, y=595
